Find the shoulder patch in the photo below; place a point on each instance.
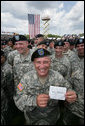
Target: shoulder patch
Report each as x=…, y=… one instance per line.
x=20, y=87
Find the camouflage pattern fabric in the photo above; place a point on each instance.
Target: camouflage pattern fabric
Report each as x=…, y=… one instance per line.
x=62, y=65
x=27, y=91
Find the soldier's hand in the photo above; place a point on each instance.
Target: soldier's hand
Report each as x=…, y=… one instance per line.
x=70, y=96
x=42, y=100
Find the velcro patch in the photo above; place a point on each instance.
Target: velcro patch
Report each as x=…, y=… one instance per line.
x=20, y=87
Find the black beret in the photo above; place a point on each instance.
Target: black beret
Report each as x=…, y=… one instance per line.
x=59, y=43
x=39, y=35
x=19, y=38
x=72, y=41
x=3, y=43
x=40, y=53
x=66, y=40
x=79, y=41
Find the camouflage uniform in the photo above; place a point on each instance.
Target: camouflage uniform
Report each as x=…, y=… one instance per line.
x=7, y=50
x=25, y=99
x=11, y=56
x=81, y=63
x=4, y=102
x=73, y=58
x=21, y=65
x=61, y=65
x=7, y=89
x=51, y=50
x=8, y=78
x=75, y=114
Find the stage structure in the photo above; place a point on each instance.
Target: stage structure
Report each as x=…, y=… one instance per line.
x=46, y=25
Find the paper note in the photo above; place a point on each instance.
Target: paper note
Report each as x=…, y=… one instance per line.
x=57, y=92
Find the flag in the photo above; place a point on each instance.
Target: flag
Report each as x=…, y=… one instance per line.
x=34, y=25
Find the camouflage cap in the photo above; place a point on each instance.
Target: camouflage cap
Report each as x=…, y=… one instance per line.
x=40, y=53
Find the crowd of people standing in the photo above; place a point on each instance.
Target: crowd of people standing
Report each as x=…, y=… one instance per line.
x=29, y=68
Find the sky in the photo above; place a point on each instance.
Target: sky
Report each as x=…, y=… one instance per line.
x=66, y=17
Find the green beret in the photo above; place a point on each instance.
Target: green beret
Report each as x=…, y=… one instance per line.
x=40, y=53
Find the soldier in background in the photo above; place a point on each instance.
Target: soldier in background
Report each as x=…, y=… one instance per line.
x=4, y=102
x=80, y=50
x=73, y=58
x=9, y=47
x=60, y=62
x=51, y=47
x=3, y=44
x=39, y=38
x=42, y=44
x=33, y=91
x=8, y=86
x=76, y=114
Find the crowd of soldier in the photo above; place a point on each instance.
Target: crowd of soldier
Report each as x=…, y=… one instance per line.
x=67, y=60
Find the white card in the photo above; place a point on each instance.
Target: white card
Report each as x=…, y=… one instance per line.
x=57, y=92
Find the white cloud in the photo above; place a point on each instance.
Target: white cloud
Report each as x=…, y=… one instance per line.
x=14, y=16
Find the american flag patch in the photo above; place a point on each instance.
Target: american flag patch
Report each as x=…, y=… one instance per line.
x=20, y=87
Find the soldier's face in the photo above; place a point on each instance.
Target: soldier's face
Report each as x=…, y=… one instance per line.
x=21, y=46
x=59, y=50
x=80, y=49
x=10, y=43
x=42, y=66
x=40, y=39
x=66, y=46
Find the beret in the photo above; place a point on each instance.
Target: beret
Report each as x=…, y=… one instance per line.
x=39, y=35
x=79, y=41
x=40, y=53
x=19, y=38
x=59, y=43
x=3, y=43
x=72, y=41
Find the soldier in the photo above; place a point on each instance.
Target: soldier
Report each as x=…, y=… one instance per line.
x=76, y=114
x=10, y=43
x=51, y=47
x=42, y=44
x=60, y=62
x=8, y=48
x=22, y=61
x=4, y=102
x=7, y=85
x=3, y=44
x=80, y=49
x=73, y=58
x=33, y=91
x=39, y=38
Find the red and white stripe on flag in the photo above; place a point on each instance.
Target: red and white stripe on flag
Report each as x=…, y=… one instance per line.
x=37, y=24
x=34, y=25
